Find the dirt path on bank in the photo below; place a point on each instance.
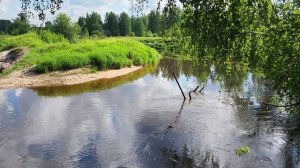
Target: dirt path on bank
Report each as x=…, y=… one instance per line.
x=26, y=78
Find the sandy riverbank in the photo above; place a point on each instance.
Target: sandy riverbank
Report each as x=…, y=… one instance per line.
x=26, y=78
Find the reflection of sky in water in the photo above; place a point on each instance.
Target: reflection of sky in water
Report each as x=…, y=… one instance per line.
x=138, y=124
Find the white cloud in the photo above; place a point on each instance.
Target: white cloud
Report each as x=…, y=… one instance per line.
x=9, y=9
x=75, y=8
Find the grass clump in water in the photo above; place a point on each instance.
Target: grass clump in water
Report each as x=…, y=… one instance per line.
x=244, y=150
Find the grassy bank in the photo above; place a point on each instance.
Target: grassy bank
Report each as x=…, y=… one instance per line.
x=51, y=52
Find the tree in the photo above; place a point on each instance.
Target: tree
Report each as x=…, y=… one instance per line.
x=171, y=18
x=4, y=26
x=111, y=24
x=49, y=25
x=20, y=25
x=83, y=28
x=125, y=24
x=155, y=22
x=94, y=24
x=63, y=25
x=139, y=27
x=85, y=33
x=91, y=25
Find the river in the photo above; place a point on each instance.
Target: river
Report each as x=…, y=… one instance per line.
x=141, y=120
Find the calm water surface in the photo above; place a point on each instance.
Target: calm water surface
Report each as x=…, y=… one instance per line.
x=140, y=120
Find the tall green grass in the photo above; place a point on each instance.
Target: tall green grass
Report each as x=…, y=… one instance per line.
x=50, y=52
x=31, y=40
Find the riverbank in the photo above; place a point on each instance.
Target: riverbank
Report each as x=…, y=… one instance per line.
x=27, y=78
x=47, y=59
x=51, y=53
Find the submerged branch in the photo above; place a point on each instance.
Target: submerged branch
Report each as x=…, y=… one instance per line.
x=179, y=86
x=196, y=89
x=190, y=95
x=201, y=89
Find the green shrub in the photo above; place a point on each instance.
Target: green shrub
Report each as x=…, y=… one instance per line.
x=148, y=34
x=131, y=34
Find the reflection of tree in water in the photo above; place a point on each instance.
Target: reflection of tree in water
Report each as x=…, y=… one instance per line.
x=188, y=158
x=250, y=108
x=292, y=150
x=261, y=121
x=167, y=66
x=92, y=86
x=232, y=77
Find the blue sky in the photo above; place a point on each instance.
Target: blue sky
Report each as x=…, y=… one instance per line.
x=75, y=8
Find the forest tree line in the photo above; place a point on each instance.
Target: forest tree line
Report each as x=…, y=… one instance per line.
x=92, y=25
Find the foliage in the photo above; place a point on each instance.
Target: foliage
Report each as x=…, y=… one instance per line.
x=20, y=25
x=92, y=23
x=139, y=27
x=262, y=34
x=49, y=25
x=114, y=25
x=4, y=26
x=132, y=34
x=63, y=25
x=171, y=18
x=281, y=48
x=124, y=24
x=178, y=42
x=155, y=22
x=41, y=6
x=111, y=24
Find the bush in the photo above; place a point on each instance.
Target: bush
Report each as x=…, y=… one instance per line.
x=148, y=34
x=131, y=34
x=63, y=25
x=96, y=33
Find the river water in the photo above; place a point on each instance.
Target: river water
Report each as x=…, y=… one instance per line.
x=140, y=120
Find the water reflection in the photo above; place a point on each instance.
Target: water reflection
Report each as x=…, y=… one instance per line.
x=143, y=123
x=93, y=86
x=186, y=158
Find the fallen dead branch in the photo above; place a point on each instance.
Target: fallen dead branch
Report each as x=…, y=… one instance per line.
x=179, y=86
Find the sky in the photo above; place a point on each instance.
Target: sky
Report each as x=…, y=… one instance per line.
x=75, y=8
